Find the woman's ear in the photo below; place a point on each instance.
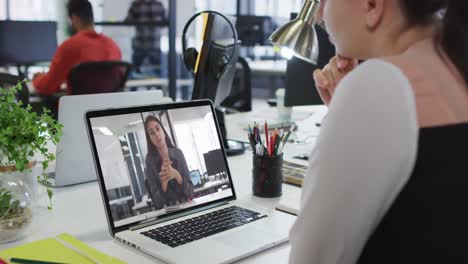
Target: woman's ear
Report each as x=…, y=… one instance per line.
x=374, y=11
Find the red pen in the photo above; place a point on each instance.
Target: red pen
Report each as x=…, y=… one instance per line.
x=266, y=136
x=272, y=143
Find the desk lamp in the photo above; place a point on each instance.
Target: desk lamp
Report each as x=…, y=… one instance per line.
x=298, y=37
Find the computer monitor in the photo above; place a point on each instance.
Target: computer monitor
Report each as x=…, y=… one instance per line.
x=254, y=30
x=208, y=85
x=196, y=178
x=213, y=162
x=212, y=81
x=27, y=42
x=217, y=42
x=300, y=85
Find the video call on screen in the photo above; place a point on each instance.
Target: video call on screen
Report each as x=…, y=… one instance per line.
x=159, y=162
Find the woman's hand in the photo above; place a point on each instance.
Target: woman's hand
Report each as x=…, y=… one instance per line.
x=328, y=78
x=168, y=173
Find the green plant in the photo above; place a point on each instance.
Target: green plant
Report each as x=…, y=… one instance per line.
x=6, y=202
x=12, y=215
x=24, y=133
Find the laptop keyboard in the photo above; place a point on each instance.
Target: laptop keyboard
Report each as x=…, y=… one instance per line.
x=196, y=228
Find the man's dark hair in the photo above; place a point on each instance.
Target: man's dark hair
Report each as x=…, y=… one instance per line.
x=82, y=9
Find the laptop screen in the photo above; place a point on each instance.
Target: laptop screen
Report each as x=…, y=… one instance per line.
x=157, y=162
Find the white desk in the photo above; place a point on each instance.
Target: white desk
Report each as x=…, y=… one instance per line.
x=268, y=67
x=132, y=83
x=305, y=117
x=78, y=210
x=156, y=82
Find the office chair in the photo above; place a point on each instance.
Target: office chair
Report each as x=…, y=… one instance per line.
x=99, y=77
x=240, y=98
x=9, y=80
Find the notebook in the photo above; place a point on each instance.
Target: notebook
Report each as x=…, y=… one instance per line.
x=293, y=173
x=52, y=250
x=290, y=202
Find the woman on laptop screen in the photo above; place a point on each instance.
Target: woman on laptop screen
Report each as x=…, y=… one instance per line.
x=167, y=171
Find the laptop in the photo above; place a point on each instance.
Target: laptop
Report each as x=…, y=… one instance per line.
x=74, y=162
x=182, y=219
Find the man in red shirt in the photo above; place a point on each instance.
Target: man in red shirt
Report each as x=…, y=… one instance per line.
x=85, y=46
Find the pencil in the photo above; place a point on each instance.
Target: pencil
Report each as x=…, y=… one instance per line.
x=266, y=132
x=287, y=136
x=32, y=261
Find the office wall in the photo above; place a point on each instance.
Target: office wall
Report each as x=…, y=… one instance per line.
x=3, y=6
x=33, y=9
x=226, y=7
x=112, y=162
x=276, y=8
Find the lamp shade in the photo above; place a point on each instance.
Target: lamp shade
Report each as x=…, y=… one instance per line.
x=298, y=37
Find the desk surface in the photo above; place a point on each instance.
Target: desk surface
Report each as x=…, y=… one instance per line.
x=268, y=67
x=132, y=83
x=78, y=210
x=305, y=117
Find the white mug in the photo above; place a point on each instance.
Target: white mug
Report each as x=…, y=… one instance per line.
x=284, y=113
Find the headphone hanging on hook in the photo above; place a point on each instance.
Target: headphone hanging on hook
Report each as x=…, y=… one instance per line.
x=190, y=55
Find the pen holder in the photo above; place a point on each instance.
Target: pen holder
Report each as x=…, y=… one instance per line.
x=267, y=176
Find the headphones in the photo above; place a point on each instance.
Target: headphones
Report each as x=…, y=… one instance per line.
x=190, y=55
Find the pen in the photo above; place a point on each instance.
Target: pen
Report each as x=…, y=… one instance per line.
x=278, y=141
x=259, y=149
x=280, y=148
x=266, y=132
x=259, y=135
x=32, y=261
x=287, y=136
x=273, y=142
x=252, y=143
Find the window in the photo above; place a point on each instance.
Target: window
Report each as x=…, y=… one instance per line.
x=40, y=9
x=33, y=10
x=2, y=9
x=276, y=8
x=225, y=7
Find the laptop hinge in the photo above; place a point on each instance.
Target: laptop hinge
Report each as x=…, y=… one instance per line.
x=178, y=215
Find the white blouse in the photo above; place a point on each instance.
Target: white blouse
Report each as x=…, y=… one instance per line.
x=364, y=155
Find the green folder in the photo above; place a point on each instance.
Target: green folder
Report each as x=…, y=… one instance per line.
x=52, y=250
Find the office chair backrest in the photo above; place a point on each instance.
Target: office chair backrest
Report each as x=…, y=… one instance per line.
x=9, y=80
x=240, y=98
x=99, y=77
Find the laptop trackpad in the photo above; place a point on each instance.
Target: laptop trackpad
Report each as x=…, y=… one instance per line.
x=253, y=238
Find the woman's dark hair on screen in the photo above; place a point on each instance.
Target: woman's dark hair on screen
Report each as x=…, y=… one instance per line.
x=151, y=147
x=453, y=33
x=82, y=9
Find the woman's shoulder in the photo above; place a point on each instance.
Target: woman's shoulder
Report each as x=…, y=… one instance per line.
x=375, y=77
x=176, y=152
x=376, y=90
x=381, y=67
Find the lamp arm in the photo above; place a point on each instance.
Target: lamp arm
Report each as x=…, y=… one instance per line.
x=309, y=11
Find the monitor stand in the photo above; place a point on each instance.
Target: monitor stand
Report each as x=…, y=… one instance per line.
x=232, y=147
